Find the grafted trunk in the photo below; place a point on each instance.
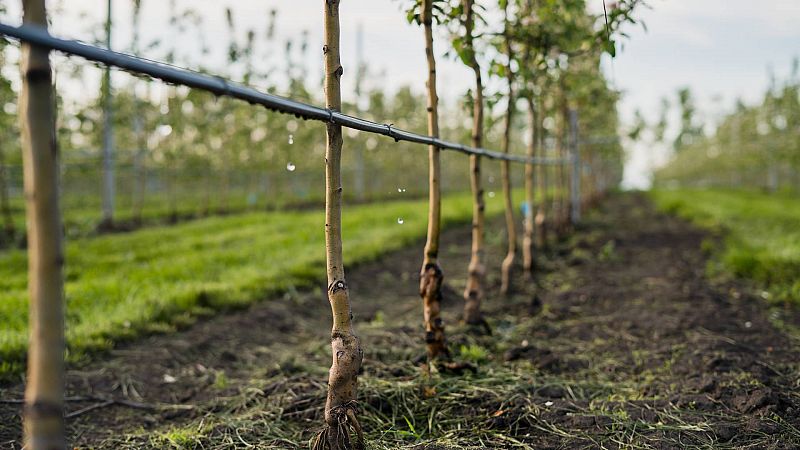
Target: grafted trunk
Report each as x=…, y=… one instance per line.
x=530, y=193
x=340, y=407
x=511, y=230
x=541, y=175
x=44, y=391
x=473, y=293
x=431, y=276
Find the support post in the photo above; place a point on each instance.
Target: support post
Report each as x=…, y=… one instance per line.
x=576, y=166
x=108, y=137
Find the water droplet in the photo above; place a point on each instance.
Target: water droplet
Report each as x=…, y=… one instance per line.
x=400, y=220
x=548, y=403
x=491, y=194
x=291, y=139
x=290, y=167
x=491, y=179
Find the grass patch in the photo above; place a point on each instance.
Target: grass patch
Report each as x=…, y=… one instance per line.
x=761, y=233
x=159, y=279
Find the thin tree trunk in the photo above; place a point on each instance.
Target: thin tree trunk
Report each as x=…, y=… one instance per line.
x=340, y=408
x=431, y=276
x=473, y=293
x=108, y=138
x=558, y=200
x=541, y=174
x=44, y=391
x=9, y=230
x=530, y=192
x=566, y=197
x=508, y=261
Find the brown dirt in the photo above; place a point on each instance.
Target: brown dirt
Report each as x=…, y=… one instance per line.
x=623, y=343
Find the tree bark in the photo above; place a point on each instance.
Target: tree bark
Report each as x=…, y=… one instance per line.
x=505, y=170
x=431, y=275
x=473, y=293
x=340, y=408
x=541, y=174
x=9, y=229
x=44, y=392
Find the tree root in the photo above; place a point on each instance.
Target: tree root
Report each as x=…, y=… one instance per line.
x=479, y=326
x=339, y=436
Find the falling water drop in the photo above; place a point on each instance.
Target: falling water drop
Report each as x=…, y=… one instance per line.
x=491, y=194
x=291, y=139
x=400, y=220
x=290, y=167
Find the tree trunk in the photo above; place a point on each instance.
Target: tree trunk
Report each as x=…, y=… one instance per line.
x=140, y=159
x=530, y=192
x=108, y=138
x=541, y=174
x=44, y=392
x=431, y=276
x=508, y=261
x=558, y=199
x=473, y=293
x=9, y=230
x=340, y=408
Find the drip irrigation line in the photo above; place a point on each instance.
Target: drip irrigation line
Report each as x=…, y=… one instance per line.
x=217, y=85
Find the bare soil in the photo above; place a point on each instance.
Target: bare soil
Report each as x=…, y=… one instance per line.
x=621, y=341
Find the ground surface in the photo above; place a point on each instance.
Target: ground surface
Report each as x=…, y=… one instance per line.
x=631, y=346
x=762, y=239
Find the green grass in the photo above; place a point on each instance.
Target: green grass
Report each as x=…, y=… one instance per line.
x=155, y=279
x=762, y=233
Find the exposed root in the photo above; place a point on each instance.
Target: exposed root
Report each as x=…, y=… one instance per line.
x=339, y=436
x=479, y=326
x=457, y=367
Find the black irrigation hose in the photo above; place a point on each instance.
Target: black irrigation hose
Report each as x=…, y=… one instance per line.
x=219, y=86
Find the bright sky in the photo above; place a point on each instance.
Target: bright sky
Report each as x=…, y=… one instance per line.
x=720, y=48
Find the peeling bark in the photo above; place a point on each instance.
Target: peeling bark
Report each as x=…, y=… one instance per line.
x=342, y=430
x=44, y=391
